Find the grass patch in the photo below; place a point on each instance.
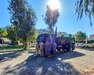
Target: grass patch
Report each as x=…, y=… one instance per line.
x=14, y=50
x=12, y=47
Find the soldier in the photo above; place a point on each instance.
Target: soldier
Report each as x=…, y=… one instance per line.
x=54, y=46
x=41, y=49
x=37, y=48
x=47, y=47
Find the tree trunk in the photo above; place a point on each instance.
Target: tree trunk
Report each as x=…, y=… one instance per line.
x=26, y=44
x=51, y=34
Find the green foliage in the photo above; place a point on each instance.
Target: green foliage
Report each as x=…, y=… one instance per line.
x=3, y=32
x=23, y=17
x=80, y=36
x=85, y=6
x=12, y=33
x=51, y=18
x=34, y=36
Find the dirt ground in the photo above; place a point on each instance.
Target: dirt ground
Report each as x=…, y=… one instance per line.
x=78, y=62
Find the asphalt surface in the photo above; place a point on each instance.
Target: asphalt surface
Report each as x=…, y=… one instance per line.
x=78, y=62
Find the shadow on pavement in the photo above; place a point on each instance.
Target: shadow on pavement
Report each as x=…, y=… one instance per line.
x=88, y=49
x=6, y=56
x=35, y=65
x=69, y=55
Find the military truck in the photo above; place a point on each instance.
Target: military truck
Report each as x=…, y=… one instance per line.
x=64, y=44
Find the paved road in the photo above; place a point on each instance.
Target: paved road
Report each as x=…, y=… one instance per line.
x=79, y=62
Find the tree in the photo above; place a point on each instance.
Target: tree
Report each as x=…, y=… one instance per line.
x=80, y=36
x=85, y=6
x=23, y=17
x=12, y=34
x=34, y=35
x=3, y=32
x=50, y=19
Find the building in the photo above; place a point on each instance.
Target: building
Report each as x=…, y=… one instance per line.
x=41, y=31
x=91, y=37
x=59, y=34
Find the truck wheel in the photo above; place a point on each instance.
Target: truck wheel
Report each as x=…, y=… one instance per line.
x=58, y=49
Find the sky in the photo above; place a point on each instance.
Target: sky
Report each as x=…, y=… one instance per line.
x=67, y=21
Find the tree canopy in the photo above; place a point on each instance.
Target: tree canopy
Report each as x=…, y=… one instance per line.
x=3, y=32
x=51, y=17
x=33, y=37
x=23, y=17
x=12, y=33
x=85, y=6
x=80, y=36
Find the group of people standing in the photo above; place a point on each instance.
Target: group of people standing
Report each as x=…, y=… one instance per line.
x=46, y=48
